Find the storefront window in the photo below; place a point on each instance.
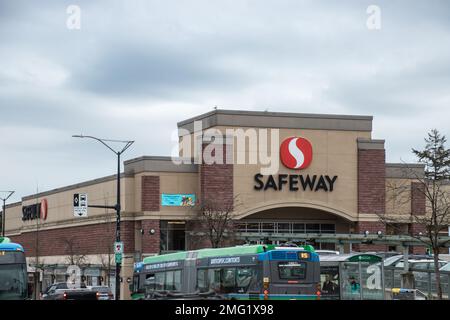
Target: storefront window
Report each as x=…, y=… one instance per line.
x=173, y=235
x=284, y=228
x=268, y=227
x=298, y=228
x=327, y=228
x=252, y=227
x=312, y=228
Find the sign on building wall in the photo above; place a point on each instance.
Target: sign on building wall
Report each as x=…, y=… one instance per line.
x=80, y=205
x=178, y=200
x=296, y=153
x=35, y=211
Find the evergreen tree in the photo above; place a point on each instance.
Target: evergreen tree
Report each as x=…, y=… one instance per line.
x=436, y=158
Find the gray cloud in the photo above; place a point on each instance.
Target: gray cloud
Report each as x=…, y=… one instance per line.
x=137, y=67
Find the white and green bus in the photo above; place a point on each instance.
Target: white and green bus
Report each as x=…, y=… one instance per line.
x=241, y=272
x=13, y=271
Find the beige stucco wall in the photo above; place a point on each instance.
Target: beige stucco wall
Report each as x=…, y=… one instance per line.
x=334, y=153
x=60, y=205
x=170, y=183
x=398, y=197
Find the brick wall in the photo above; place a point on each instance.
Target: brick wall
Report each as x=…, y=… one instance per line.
x=415, y=229
x=150, y=243
x=373, y=227
x=150, y=193
x=371, y=181
x=418, y=207
x=216, y=182
x=90, y=239
x=418, y=198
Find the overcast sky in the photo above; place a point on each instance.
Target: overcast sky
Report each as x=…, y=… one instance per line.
x=136, y=68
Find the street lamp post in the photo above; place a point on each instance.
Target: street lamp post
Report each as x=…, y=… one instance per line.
x=117, y=206
x=10, y=193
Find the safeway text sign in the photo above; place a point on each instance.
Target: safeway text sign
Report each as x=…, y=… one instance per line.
x=80, y=205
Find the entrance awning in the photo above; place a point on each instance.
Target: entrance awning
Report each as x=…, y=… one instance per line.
x=403, y=240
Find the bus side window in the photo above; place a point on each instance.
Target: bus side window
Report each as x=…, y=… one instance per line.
x=202, y=283
x=168, y=283
x=159, y=281
x=228, y=279
x=245, y=277
x=177, y=280
x=214, y=280
x=149, y=282
x=136, y=284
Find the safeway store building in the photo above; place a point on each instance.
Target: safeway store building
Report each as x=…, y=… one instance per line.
x=332, y=178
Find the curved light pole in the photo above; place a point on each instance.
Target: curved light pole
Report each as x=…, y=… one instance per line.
x=10, y=193
x=117, y=206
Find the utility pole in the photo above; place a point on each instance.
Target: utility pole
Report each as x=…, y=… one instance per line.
x=9, y=194
x=117, y=206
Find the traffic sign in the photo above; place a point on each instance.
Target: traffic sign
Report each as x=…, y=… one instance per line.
x=118, y=257
x=118, y=247
x=80, y=205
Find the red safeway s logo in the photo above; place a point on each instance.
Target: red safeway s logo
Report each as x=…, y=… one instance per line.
x=296, y=153
x=44, y=208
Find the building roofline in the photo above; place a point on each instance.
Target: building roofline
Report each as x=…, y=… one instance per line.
x=290, y=120
x=159, y=164
x=405, y=165
x=75, y=186
x=12, y=205
x=275, y=114
x=405, y=170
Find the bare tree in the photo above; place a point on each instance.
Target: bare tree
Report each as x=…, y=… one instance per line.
x=433, y=185
x=215, y=220
x=72, y=249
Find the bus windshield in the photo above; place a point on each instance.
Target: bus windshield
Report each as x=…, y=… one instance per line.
x=13, y=281
x=292, y=270
x=13, y=275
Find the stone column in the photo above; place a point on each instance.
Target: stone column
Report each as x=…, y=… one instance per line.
x=371, y=188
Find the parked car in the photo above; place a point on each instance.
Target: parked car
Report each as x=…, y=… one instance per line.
x=55, y=289
x=420, y=264
x=445, y=267
x=327, y=252
x=385, y=255
x=72, y=294
x=52, y=288
x=103, y=292
x=393, y=260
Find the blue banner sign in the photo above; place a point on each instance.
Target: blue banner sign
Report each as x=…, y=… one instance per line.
x=178, y=200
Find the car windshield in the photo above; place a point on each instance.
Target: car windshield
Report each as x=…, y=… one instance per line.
x=391, y=260
x=446, y=267
x=101, y=289
x=13, y=282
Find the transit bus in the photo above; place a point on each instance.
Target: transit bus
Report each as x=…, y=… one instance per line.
x=250, y=272
x=13, y=271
